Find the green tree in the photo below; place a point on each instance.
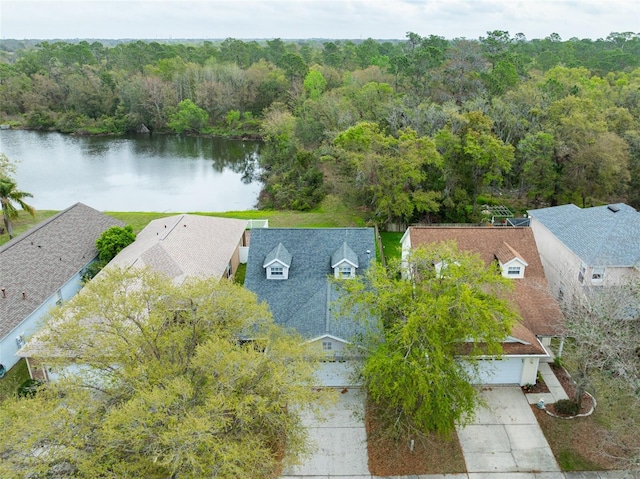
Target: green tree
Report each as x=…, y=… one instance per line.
x=189, y=117
x=451, y=304
x=114, y=240
x=474, y=158
x=538, y=175
x=593, y=163
x=10, y=195
x=170, y=381
x=314, y=84
x=291, y=176
x=391, y=174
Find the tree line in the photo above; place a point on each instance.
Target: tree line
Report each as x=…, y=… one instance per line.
x=423, y=129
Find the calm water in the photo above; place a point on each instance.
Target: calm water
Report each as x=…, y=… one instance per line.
x=141, y=173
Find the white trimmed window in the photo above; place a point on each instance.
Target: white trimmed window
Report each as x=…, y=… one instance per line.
x=514, y=270
x=597, y=275
x=277, y=271
x=327, y=345
x=346, y=271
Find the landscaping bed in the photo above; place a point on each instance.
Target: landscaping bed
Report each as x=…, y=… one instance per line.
x=605, y=440
x=587, y=403
x=430, y=455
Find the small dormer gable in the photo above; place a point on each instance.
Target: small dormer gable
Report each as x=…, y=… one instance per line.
x=511, y=262
x=277, y=263
x=344, y=262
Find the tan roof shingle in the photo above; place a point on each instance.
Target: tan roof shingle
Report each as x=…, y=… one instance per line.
x=540, y=312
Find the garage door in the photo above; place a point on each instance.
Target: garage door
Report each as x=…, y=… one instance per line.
x=335, y=374
x=500, y=371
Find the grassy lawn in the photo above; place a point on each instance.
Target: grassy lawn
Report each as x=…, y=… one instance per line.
x=24, y=222
x=391, y=245
x=331, y=214
x=14, y=378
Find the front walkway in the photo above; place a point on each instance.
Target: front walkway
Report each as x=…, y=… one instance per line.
x=556, y=391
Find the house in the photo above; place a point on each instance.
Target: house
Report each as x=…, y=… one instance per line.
x=514, y=250
x=292, y=269
x=41, y=268
x=583, y=248
x=188, y=245
x=179, y=246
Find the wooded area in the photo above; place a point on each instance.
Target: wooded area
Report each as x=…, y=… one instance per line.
x=424, y=129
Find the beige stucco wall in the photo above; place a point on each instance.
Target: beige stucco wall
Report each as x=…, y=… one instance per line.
x=562, y=266
x=529, y=371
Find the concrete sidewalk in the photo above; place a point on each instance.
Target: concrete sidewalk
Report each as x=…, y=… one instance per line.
x=523, y=475
x=556, y=391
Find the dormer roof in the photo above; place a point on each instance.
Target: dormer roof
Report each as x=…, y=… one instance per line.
x=279, y=254
x=505, y=254
x=342, y=254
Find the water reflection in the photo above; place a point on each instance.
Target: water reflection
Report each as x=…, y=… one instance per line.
x=141, y=173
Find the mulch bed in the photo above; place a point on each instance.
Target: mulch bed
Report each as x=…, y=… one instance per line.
x=430, y=455
x=539, y=387
x=570, y=388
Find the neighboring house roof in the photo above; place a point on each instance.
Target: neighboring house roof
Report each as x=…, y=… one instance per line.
x=304, y=302
x=184, y=245
x=540, y=312
x=600, y=236
x=39, y=262
x=279, y=254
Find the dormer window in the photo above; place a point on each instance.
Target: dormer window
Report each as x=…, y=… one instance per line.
x=344, y=262
x=514, y=271
x=512, y=264
x=346, y=271
x=277, y=263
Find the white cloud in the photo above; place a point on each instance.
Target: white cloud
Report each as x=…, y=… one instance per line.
x=313, y=18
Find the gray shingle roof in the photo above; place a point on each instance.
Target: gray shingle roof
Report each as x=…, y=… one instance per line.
x=280, y=254
x=344, y=253
x=304, y=301
x=599, y=236
x=40, y=261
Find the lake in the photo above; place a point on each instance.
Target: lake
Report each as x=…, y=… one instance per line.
x=165, y=173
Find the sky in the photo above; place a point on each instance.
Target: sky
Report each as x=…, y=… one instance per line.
x=300, y=19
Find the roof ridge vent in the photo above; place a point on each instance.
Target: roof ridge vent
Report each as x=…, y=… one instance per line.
x=613, y=208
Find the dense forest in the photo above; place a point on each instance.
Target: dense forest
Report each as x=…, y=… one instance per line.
x=423, y=129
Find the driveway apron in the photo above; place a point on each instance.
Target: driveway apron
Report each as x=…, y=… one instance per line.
x=339, y=440
x=505, y=437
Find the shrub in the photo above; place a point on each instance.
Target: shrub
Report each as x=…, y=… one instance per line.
x=92, y=270
x=114, y=240
x=567, y=406
x=558, y=362
x=28, y=388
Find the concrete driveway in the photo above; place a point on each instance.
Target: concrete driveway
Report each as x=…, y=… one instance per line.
x=506, y=438
x=339, y=441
